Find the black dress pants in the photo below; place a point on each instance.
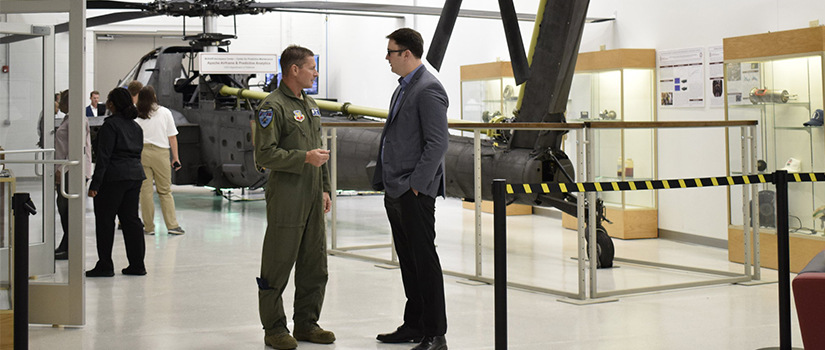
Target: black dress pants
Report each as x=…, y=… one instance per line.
x=412, y=219
x=63, y=211
x=119, y=198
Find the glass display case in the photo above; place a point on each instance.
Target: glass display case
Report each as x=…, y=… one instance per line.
x=777, y=79
x=619, y=85
x=488, y=91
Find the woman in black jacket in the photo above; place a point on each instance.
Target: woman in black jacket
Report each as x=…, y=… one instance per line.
x=115, y=186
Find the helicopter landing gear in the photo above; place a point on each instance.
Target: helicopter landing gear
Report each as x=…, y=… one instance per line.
x=604, y=247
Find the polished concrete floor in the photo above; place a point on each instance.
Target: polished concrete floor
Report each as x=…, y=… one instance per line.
x=200, y=291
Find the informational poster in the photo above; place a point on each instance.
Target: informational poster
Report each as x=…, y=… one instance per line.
x=233, y=63
x=742, y=78
x=716, y=70
x=681, y=78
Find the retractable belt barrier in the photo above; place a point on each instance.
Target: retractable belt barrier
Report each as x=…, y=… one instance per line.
x=560, y=187
x=23, y=207
x=780, y=178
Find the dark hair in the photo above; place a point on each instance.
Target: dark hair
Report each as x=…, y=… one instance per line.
x=94, y=92
x=147, y=102
x=64, y=101
x=121, y=102
x=408, y=39
x=134, y=87
x=293, y=54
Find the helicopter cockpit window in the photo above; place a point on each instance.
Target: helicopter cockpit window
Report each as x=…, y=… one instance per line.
x=123, y=82
x=146, y=70
x=140, y=72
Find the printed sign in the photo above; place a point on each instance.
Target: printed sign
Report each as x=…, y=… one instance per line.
x=234, y=63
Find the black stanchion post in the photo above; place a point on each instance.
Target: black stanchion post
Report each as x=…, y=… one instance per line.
x=22, y=207
x=780, y=179
x=500, y=260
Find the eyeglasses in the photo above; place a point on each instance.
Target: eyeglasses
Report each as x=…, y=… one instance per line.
x=391, y=51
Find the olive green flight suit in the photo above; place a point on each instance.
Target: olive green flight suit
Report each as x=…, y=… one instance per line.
x=286, y=128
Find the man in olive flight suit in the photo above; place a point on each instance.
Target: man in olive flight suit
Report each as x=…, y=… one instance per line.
x=288, y=143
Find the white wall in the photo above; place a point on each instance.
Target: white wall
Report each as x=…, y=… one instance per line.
x=353, y=67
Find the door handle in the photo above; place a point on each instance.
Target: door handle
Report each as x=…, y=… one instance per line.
x=38, y=165
x=62, y=186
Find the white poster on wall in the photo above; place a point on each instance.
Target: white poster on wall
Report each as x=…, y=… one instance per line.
x=716, y=70
x=681, y=77
x=742, y=78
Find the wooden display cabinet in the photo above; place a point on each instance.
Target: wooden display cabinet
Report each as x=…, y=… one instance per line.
x=619, y=85
x=777, y=79
x=488, y=90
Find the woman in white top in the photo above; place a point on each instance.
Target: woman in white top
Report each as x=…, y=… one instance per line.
x=159, y=137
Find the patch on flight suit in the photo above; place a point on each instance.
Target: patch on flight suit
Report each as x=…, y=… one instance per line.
x=265, y=117
x=316, y=112
x=299, y=116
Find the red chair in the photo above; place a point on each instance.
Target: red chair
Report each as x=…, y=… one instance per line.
x=809, y=296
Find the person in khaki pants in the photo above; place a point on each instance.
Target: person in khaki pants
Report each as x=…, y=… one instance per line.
x=159, y=137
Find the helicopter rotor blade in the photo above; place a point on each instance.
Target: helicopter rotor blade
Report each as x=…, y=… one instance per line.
x=443, y=32
x=521, y=69
x=364, y=9
x=106, y=19
x=90, y=22
x=116, y=5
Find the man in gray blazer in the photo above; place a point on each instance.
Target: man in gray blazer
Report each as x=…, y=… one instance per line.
x=410, y=170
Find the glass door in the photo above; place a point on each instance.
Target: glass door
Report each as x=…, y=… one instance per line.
x=26, y=121
x=57, y=295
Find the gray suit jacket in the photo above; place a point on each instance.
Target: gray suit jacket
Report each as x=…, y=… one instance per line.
x=415, y=140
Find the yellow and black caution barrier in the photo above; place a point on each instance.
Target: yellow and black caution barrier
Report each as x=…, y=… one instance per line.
x=779, y=178
x=561, y=187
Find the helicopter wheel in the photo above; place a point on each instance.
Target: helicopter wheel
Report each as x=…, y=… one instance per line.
x=604, y=247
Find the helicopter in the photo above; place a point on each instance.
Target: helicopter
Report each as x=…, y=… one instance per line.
x=215, y=132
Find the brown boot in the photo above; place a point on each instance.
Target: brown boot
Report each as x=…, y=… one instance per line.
x=281, y=341
x=314, y=335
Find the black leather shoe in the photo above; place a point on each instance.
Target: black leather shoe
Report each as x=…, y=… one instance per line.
x=61, y=255
x=134, y=271
x=403, y=334
x=432, y=343
x=98, y=272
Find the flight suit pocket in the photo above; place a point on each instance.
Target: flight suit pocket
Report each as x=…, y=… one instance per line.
x=293, y=128
x=293, y=137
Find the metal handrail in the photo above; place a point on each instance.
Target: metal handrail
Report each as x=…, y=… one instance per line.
x=669, y=124
x=56, y=162
x=34, y=150
x=585, y=136
x=563, y=126
x=40, y=161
